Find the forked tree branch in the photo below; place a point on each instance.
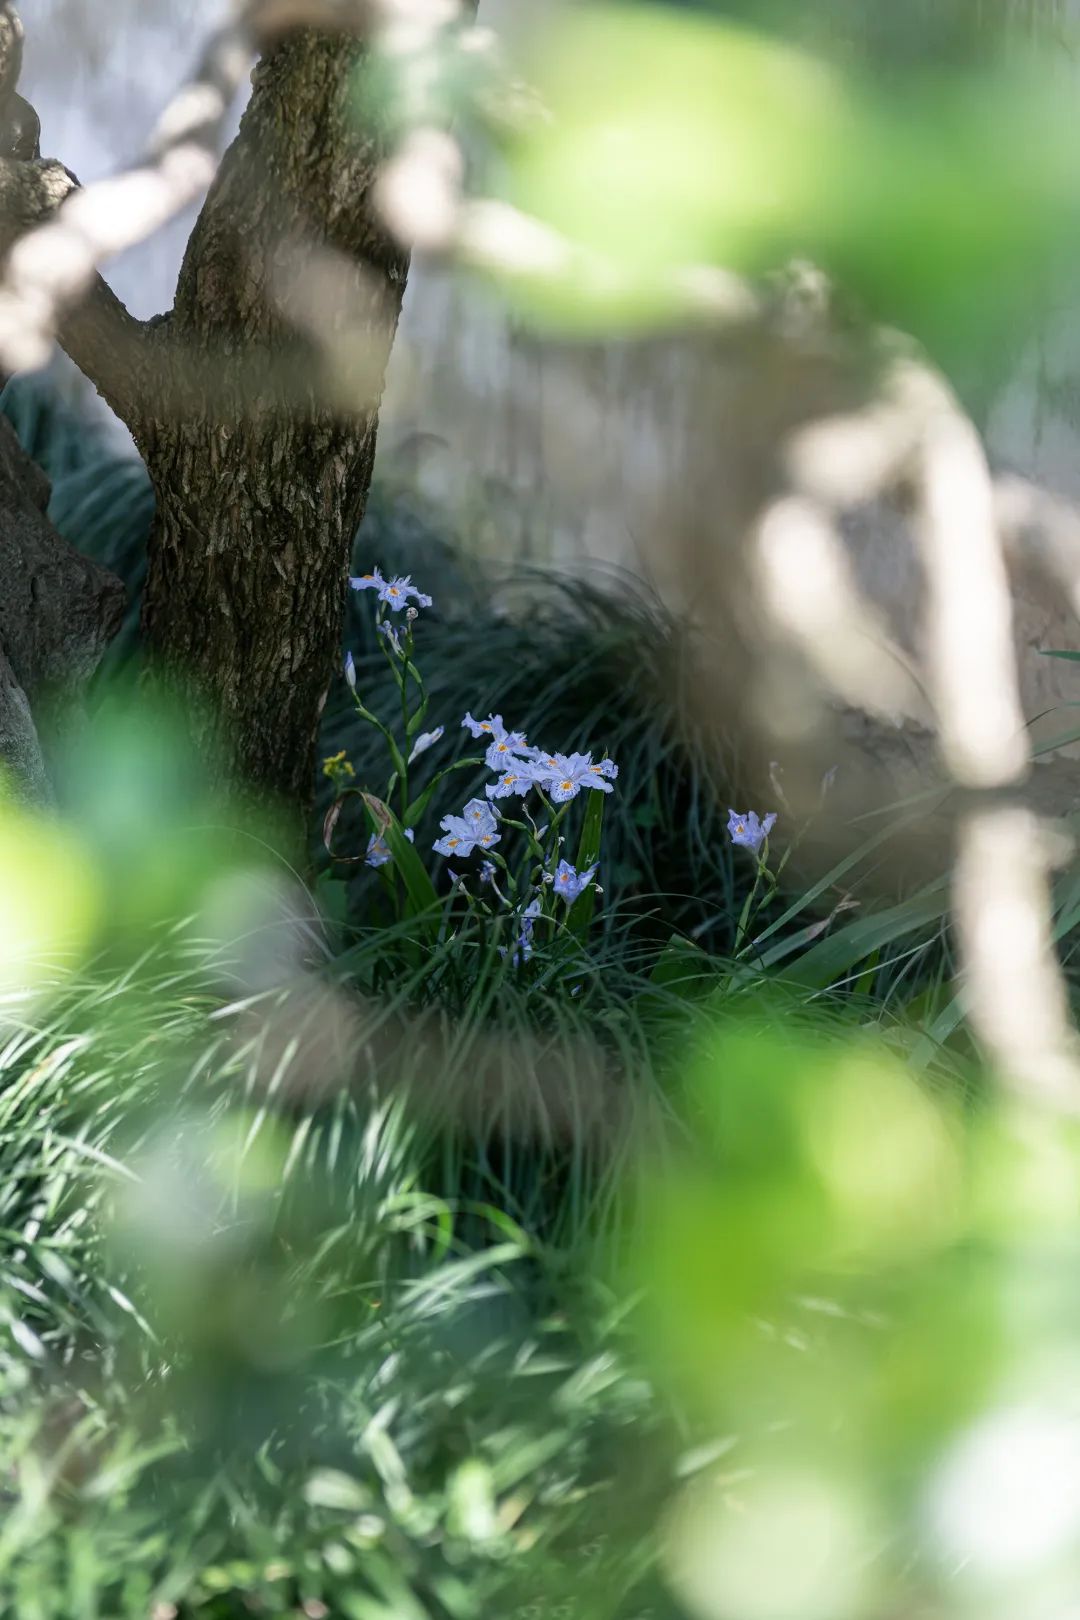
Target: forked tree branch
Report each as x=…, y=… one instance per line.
x=62, y=233
x=97, y=331
x=59, y=234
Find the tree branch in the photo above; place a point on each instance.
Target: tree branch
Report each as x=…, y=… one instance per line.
x=1041, y=534
x=103, y=339
x=53, y=267
x=60, y=234
x=111, y=348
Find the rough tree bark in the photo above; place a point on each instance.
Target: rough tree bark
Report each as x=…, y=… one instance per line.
x=254, y=404
x=261, y=475
x=58, y=610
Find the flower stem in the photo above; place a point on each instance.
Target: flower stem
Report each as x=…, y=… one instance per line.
x=750, y=905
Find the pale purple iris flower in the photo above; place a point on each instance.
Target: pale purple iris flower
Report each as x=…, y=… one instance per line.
x=477, y=825
x=571, y=883
x=505, y=750
x=378, y=851
x=396, y=592
x=523, y=947
x=562, y=776
x=749, y=831
x=426, y=740
x=480, y=816
x=514, y=780
x=491, y=728
x=350, y=672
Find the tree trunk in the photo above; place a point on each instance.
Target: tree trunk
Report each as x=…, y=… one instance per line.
x=261, y=443
x=58, y=612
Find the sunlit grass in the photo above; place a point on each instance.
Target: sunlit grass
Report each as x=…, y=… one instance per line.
x=415, y=1416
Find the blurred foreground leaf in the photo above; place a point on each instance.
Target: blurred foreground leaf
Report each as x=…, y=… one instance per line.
x=677, y=140
x=872, y=1292
x=50, y=898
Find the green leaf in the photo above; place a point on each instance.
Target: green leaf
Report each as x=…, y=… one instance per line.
x=332, y=897
x=396, y=757
x=1053, y=652
x=423, y=902
x=684, y=978
x=581, y=912
x=419, y=805
x=471, y=1502
x=864, y=983
x=909, y=192
x=416, y=720
x=835, y=956
x=330, y=1488
x=685, y=971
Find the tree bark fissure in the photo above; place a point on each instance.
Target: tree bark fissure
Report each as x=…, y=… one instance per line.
x=262, y=461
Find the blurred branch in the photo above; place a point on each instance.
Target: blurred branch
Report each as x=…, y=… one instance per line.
x=1014, y=987
x=421, y=197
x=806, y=582
x=307, y=1039
x=55, y=263
x=969, y=622
x=913, y=433
x=51, y=288
x=103, y=339
x=1041, y=534
x=907, y=435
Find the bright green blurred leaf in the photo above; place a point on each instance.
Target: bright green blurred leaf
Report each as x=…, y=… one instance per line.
x=51, y=899
x=471, y=1502
x=678, y=140
x=785, y=1544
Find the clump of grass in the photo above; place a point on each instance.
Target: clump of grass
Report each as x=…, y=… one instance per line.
x=250, y=1361
x=576, y=663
